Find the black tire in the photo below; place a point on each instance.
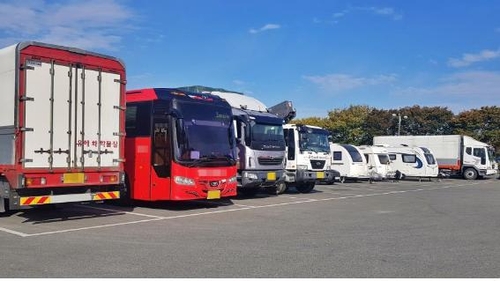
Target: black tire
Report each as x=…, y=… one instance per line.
x=305, y=187
x=277, y=189
x=470, y=174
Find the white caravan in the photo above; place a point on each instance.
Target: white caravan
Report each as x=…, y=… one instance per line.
x=348, y=161
x=455, y=154
x=413, y=162
x=379, y=164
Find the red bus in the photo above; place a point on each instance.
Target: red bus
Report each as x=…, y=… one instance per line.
x=179, y=146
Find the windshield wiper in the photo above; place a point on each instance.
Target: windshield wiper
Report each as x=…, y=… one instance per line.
x=212, y=158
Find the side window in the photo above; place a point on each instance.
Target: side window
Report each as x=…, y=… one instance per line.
x=367, y=158
x=479, y=152
x=468, y=150
x=161, y=148
x=392, y=157
x=138, y=119
x=290, y=143
x=409, y=158
x=337, y=155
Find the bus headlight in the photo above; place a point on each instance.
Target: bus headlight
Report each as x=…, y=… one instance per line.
x=183, y=180
x=232, y=179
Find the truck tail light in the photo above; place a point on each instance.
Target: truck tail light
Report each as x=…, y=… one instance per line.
x=35, y=181
x=109, y=178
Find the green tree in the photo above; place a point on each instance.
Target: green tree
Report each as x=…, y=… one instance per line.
x=482, y=124
x=348, y=125
x=425, y=120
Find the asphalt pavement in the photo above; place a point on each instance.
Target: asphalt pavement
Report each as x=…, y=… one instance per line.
x=424, y=229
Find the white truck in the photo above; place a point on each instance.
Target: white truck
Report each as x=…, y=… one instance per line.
x=455, y=154
x=308, y=156
x=61, y=125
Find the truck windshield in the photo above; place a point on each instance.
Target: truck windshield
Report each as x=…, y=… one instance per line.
x=314, y=140
x=491, y=154
x=267, y=137
x=204, y=136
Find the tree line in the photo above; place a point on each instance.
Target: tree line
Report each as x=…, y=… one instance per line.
x=358, y=124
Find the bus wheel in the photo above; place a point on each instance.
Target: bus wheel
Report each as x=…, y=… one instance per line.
x=278, y=189
x=470, y=174
x=305, y=187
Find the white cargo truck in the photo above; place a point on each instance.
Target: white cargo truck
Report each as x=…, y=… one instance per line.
x=455, y=154
x=61, y=125
x=308, y=156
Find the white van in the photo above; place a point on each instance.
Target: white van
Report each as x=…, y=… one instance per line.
x=348, y=161
x=379, y=164
x=413, y=161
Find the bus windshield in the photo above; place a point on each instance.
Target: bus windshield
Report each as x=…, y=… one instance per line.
x=204, y=135
x=314, y=140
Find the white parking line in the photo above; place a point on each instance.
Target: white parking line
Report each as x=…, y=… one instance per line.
x=159, y=218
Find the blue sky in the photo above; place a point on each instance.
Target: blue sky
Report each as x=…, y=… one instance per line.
x=320, y=54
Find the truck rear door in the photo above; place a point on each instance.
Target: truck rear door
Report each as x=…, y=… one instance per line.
x=71, y=116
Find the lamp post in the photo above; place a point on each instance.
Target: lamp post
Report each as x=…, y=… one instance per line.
x=399, y=121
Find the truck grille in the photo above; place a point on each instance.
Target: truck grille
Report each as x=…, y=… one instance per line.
x=318, y=164
x=266, y=161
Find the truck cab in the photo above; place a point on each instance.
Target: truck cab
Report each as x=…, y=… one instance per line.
x=308, y=156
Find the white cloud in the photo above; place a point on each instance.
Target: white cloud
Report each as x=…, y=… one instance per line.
x=268, y=26
x=468, y=59
x=238, y=82
x=463, y=90
x=386, y=11
x=380, y=11
x=335, y=83
x=93, y=24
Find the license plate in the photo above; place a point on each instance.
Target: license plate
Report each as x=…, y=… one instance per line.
x=271, y=176
x=320, y=175
x=74, y=178
x=213, y=194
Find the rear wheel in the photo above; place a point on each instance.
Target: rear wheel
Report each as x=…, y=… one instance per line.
x=305, y=187
x=470, y=174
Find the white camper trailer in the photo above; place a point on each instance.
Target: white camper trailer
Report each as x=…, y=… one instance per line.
x=379, y=164
x=455, y=154
x=348, y=161
x=413, y=162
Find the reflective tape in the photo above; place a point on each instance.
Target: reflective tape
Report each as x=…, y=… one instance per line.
x=106, y=195
x=35, y=200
